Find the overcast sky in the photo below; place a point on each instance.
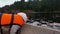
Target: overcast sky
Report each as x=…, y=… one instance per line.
x=7, y=2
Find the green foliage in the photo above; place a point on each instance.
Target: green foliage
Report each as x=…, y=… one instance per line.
x=48, y=6
x=21, y=5
x=51, y=5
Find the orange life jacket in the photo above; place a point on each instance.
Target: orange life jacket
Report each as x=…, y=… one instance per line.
x=6, y=19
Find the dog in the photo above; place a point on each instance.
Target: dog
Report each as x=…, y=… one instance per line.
x=15, y=26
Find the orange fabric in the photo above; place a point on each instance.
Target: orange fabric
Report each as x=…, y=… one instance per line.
x=18, y=20
x=6, y=19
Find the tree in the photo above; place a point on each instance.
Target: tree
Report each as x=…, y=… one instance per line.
x=51, y=5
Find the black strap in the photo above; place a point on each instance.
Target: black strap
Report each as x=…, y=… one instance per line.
x=0, y=23
x=11, y=23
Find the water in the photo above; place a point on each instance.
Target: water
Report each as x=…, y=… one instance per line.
x=53, y=25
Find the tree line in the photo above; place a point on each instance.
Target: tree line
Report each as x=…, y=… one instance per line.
x=48, y=6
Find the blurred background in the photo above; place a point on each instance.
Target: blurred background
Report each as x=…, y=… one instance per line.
x=42, y=12
x=37, y=9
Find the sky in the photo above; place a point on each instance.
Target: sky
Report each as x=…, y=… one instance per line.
x=7, y=2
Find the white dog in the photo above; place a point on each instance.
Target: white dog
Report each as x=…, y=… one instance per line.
x=16, y=27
